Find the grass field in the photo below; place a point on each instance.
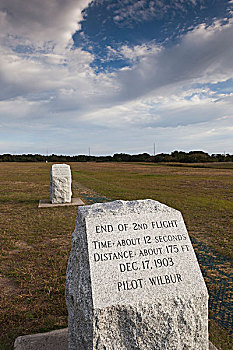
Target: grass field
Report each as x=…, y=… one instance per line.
x=35, y=243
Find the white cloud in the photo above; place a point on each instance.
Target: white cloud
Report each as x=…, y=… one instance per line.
x=132, y=53
x=188, y=107
x=139, y=51
x=48, y=89
x=204, y=55
x=35, y=47
x=41, y=21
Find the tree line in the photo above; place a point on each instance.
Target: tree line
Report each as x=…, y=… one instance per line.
x=176, y=156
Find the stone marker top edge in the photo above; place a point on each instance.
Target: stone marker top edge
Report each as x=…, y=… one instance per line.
x=60, y=166
x=58, y=170
x=121, y=208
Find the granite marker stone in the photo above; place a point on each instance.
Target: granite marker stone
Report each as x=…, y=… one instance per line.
x=60, y=184
x=133, y=280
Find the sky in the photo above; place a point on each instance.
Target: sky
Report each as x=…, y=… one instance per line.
x=116, y=76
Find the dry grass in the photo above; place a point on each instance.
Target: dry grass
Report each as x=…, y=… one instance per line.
x=35, y=243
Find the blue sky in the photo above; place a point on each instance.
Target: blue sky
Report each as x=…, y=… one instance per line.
x=116, y=76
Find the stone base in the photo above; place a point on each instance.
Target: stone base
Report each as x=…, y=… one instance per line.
x=55, y=340
x=45, y=203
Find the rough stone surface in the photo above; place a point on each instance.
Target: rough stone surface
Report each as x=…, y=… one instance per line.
x=55, y=340
x=60, y=184
x=133, y=280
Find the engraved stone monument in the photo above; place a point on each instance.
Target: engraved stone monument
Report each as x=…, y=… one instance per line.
x=60, y=188
x=133, y=280
x=60, y=184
